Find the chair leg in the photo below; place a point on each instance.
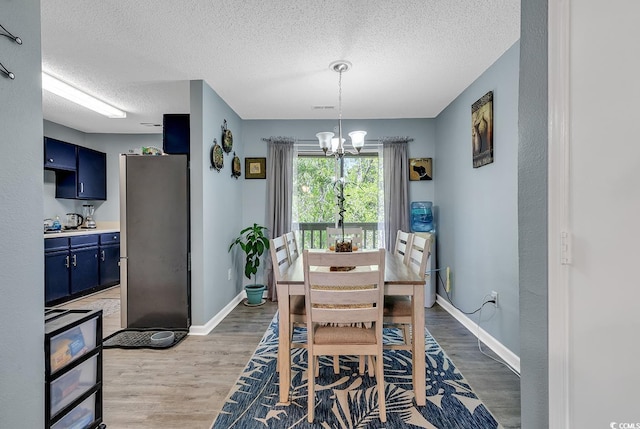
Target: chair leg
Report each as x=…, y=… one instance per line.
x=371, y=366
x=311, y=396
x=380, y=380
x=361, y=365
x=336, y=364
x=406, y=335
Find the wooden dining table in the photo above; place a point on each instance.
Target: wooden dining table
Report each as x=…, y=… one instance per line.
x=398, y=280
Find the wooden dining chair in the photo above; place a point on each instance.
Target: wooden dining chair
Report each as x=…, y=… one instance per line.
x=344, y=312
x=292, y=246
x=403, y=244
x=280, y=263
x=355, y=234
x=398, y=310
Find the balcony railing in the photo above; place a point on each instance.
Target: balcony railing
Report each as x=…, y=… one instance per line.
x=314, y=235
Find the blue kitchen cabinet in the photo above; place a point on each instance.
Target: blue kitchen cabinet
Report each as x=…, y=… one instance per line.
x=56, y=269
x=71, y=267
x=56, y=275
x=89, y=179
x=84, y=269
x=84, y=263
x=59, y=155
x=92, y=174
x=109, y=259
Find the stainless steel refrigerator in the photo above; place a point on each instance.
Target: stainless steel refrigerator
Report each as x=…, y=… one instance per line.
x=154, y=241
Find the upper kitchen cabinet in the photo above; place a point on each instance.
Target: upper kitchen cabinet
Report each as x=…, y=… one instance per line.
x=59, y=155
x=175, y=134
x=88, y=181
x=92, y=174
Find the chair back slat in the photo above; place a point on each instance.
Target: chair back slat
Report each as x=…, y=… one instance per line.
x=279, y=256
x=356, y=235
x=345, y=315
x=292, y=246
x=403, y=244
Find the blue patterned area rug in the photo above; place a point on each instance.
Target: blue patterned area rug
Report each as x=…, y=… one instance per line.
x=348, y=400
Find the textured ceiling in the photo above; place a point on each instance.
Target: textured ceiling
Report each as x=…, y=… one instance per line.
x=269, y=59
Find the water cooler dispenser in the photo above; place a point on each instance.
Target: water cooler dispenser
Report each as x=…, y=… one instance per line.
x=422, y=224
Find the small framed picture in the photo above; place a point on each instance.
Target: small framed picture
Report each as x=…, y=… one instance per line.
x=255, y=168
x=420, y=169
x=482, y=130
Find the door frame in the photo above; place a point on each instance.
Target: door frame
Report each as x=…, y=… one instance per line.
x=559, y=221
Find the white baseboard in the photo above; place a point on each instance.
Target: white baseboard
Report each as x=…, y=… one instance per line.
x=216, y=319
x=504, y=353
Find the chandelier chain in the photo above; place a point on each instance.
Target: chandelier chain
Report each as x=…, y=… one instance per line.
x=340, y=96
x=340, y=149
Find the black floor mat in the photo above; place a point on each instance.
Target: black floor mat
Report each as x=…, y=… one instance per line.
x=140, y=339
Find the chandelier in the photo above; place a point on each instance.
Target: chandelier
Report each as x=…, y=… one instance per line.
x=329, y=144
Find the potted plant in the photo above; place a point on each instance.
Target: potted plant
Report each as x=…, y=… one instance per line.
x=253, y=242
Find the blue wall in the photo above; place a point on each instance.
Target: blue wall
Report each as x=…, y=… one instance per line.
x=532, y=213
x=21, y=255
x=216, y=206
x=423, y=146
x=477, y=212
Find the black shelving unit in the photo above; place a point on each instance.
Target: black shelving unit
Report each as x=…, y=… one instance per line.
x=73, y=369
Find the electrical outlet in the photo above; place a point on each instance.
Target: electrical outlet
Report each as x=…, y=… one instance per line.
x=229, y=274
x=494, y=297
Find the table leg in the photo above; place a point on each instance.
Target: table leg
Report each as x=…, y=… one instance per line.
x=284, y=348
x=418, y=352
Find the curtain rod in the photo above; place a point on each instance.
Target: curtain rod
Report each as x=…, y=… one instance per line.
x=314, y=143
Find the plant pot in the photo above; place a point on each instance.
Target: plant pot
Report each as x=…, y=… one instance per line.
x=254, y=293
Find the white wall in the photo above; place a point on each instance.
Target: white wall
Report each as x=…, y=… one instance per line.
x=604, y=295
x=21, y=255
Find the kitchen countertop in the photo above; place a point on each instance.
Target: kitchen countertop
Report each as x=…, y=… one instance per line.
x=100, y=229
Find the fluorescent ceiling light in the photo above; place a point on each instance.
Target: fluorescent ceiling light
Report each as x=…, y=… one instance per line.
x=64, y=90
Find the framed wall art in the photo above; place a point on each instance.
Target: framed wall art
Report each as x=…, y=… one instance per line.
x=482, y=130
x=420, y=169
x=235, y=167
x=255, y=168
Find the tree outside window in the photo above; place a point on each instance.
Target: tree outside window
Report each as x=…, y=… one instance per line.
x=315, y=193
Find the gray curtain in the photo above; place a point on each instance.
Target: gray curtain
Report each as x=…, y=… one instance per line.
x=396, y=195
x=280, y=154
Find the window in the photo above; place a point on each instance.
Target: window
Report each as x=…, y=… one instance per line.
x=314, y=199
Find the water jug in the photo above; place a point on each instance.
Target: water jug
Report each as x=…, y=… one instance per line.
x=421, y=216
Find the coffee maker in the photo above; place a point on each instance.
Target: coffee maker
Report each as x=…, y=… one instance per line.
x=88, y=211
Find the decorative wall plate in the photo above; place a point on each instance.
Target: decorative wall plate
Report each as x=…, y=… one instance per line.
x=217, y=158
x=235, y=166
x=227, y=138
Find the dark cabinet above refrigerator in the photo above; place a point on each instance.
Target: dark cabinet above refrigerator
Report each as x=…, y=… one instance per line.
x=176, y=134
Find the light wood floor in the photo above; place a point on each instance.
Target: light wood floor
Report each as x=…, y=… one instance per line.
x=185, y=386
